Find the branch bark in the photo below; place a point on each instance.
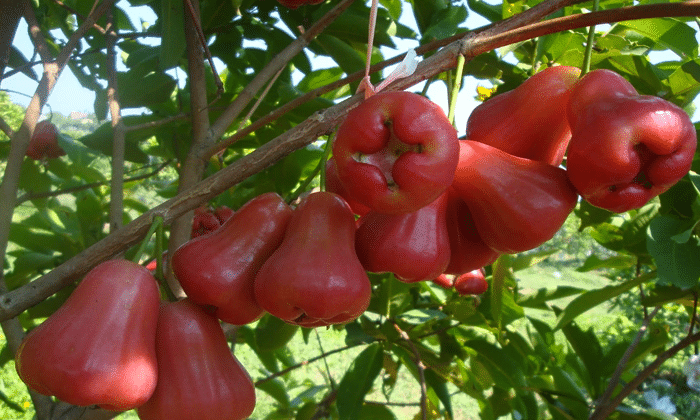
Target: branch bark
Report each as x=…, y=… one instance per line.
x=321, y=123
x=193, y=166
x=604, y=410
x=116, y=197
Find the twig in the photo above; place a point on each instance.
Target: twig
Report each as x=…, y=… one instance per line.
x=46, y=194
x=158, y=123
x=71, y=10
x=304, y=363
x=5, y=127
x=615, y=378
x=116, y=198
x=325, y=362
x=604, y=411
x=322, y=407
x=192, y=168
x=421, y=372
x=694, y=314
x=393, y=404
x=321, y=123
x=203, y=42
x=278, y=62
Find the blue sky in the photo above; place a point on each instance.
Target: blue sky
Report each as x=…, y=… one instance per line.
x=69, y=95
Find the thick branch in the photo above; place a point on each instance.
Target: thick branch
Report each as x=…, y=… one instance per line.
x=606, y=409
x=116, y=198
x=319, y=124
x=615, y=378
x=421, y=372
x=193, y=167
x=269, y=71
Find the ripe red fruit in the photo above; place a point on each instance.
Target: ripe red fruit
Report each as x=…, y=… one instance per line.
x=471, y=283
x=198, y=376
x=396, y=152
x=414, y=246
x=467, y=250
x=44, y=142
x=223, y=213
x=334, y=185
x=99, y=347
x=517, y=204
x=219, y=269
x=528, y=121
x=443, y=281
x=625, y=148
x=315, y=278
x=204, y=221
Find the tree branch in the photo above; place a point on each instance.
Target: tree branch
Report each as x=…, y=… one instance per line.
x=421, y=372
x=32, y=196
x=193, y=167
x=5, y=127
x=302, y=364
x=278, y=62
x=604, y=411
x=116, y=197
x=319, y=124
x=619, y=369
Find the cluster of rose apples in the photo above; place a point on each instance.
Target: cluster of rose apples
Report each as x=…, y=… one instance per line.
x=403, y=195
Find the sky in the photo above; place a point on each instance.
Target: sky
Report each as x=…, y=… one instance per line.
x=68, y=95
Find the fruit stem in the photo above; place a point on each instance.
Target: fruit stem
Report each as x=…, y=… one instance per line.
x=456, y=85
x=586, y=67
x=165, y=292
x=157, y=220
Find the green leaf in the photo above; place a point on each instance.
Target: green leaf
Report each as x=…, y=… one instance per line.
x=421, y=316
x=620, y=261
x=173, y=43
x=319, y=78
x=592, y=298
x=277, y=390
x=661, y=295
x=569, y=393
x=102, y=138
x=695, y=180
x=445, y=23
x=668, y=32
x=677, y=263
x=684, y=83
x=376, y=412
x=439, y=386
x=591, y=215
x=656, y=337
x=18, y=61
x=505, y=371
x=523, y=261
x=541, y=296
x=138, y=90
x=271, y=333
x=491, y=12
x=589, y=351
x=357, y=381
x=348, y=58
x=394, y=7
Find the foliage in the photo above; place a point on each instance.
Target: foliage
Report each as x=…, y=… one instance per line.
x=535, y=345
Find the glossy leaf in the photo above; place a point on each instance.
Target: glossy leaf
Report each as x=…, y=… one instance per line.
x=357, y=381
